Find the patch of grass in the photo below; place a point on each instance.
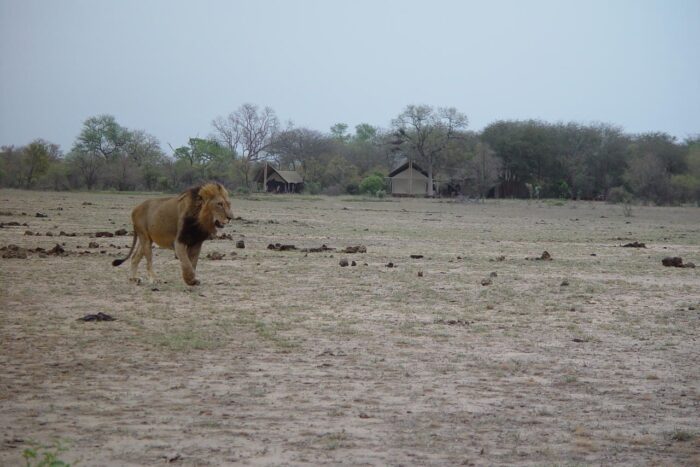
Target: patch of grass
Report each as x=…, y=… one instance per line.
x=184, y=340
x=39, y=455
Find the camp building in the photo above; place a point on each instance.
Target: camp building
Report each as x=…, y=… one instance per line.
x=409, y=179
x=279, y=181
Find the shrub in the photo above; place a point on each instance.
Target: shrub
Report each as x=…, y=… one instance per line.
x=312, y=188
x=619, y=194
x=372, y=184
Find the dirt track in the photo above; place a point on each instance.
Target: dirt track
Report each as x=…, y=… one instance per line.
x=284, y=357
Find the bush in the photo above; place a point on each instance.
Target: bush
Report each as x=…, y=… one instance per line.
x=619, y=194
x=372, y=184
x=312, y=188
x=380, y=194
x=352, y=188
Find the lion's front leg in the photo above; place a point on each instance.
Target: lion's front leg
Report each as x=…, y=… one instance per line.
x=193, y=253
x=185, y=264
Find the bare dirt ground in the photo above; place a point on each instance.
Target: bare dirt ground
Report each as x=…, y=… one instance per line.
x=286, y=358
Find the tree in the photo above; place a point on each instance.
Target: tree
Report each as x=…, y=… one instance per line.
x=339, y=131
x=247, y=132
x=426, y=134
x=101, y=141
x=484, y=167
x=36, y=159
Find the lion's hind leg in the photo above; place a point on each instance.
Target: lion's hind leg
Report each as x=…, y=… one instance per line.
x=138, y=254
x=148, y=253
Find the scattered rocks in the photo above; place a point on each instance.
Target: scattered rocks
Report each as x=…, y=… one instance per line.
x=279, y=247
x=14, y=252
x=676, y=262
x=97, y=317
x=57, y=250
x=87, y=203
x=93, y=245
x=634, y=245
x=104, y=234
x=10, y=224
x=416, y=256
x=215, y=256
x=353, y=263
x=499, y=258
x=493, y=274
x=241, y=244
x=564, y=283
x=224, y=236
x=121, y=232
x=420, y=273
x=343, y=262
x=486, y=281
x=355, y=249
x=40, y=214
x=65, y=234
x=390, y=265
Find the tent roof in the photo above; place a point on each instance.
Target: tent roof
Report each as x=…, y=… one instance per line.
x=404, y=166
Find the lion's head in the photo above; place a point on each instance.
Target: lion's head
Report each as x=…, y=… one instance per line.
x=215, y=209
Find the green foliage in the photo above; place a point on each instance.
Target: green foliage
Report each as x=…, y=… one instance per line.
x=619, y=194
x=38, y=455
x=312, y=188
x=372, y=184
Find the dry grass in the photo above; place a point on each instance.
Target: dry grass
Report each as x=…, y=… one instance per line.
x=287, y=358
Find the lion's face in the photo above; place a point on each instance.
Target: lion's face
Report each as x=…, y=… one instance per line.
x=221, y=211
x=217, y=205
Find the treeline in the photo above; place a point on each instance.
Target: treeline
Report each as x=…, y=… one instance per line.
x=507, y=158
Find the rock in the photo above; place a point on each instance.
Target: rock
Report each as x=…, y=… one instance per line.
x=97, y=317
x=15, y=252
x=486, y=282
x=390, y=265
x=672, y=261
x=417, y=256
x=493, y=274
x=320, y=249
x=104, y=234
x=634, y=245
x=564, y=283
x=120, y=232
x=546, y=256
x=240, y=244
x=280, y=247
x=40, y=214
x=57, y=250
x=420, y=273
x=353, y=263
x=28, y=232
x=225, y=236
x=689, y=265
x=355, y=249
x=93, y=245
x=343, y=262
x=215, y=256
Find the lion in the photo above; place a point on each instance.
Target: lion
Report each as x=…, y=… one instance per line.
x=179, y=223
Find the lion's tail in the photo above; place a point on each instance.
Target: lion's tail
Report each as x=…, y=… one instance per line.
x=117, y=262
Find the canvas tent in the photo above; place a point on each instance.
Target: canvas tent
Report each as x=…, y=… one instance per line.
x=409, y=180
x=279, y=181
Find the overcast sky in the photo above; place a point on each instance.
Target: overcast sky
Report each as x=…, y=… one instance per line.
x=170, y=67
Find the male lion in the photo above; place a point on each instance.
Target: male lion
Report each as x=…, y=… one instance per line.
x=181, y=223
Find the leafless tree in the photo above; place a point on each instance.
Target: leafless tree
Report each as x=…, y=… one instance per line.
x=248, y=133
x=427, y=133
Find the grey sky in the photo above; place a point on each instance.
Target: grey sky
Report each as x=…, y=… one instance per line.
x=170, y=67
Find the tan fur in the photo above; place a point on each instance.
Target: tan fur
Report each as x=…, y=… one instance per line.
x=181, y=223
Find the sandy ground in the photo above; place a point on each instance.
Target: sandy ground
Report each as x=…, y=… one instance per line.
x=286, y=358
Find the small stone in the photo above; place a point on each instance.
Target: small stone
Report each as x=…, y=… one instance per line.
x=93, y=245
x=343, y=262
x=486, y=282
x=493, y=274
x=121, y=232
x=564, y=283
x=353, y=263
x=420, y=273
x=240, y=244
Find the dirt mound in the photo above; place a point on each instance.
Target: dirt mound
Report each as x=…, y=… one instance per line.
x=14, y=251
x=634, y=245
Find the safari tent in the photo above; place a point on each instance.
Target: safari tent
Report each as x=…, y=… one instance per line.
x=409, y=179
x=272, y=180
